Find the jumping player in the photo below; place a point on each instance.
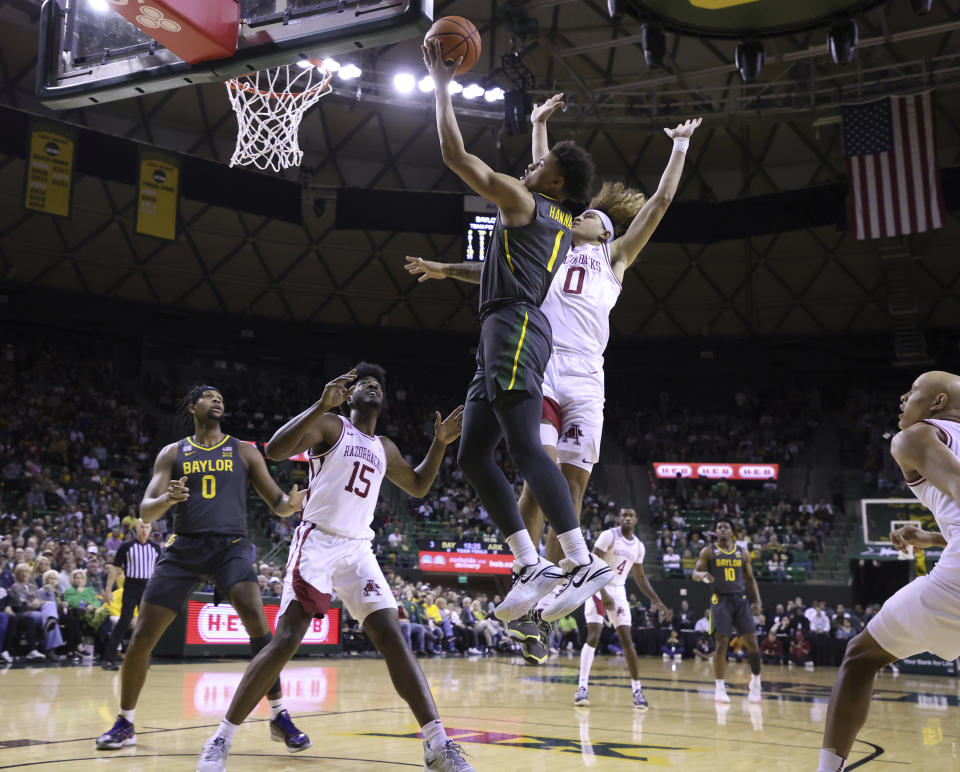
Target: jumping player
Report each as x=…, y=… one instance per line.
x=925, y=614
x=203, y=478
x=623, y=552
x=530, y=238
x=331, y=552
x=607, y=239
x=728, y=567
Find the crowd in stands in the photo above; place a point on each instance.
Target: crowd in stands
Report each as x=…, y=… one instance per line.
x=780, y=535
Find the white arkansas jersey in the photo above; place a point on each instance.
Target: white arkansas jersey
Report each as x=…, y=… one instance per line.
x=345, y=483
x=580, y=299
x=945, y=509
x=620, y=553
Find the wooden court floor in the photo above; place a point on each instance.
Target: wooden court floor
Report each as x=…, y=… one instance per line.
x=507, y=716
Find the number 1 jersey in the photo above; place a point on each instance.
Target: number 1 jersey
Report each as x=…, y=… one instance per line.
x=345, y=483
x=620, y=553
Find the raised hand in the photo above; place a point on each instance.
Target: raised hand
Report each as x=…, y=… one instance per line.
x=684, y=129
x=908, y=536
x=336, y=392
x=449, y=428
x=425, y=269
x=177, y=490
x=542, y=112
x=441, y=72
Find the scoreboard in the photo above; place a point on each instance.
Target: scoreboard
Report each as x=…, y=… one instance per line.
x=461, y=556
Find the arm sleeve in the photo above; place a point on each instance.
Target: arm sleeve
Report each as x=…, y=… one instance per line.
x=604, y=541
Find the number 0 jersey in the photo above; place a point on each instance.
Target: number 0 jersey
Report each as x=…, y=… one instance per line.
x=580, y=300
x=620, y=553
x=217, y=479
x=345, y=483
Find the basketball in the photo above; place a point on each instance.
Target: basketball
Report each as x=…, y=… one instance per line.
x=458, y=37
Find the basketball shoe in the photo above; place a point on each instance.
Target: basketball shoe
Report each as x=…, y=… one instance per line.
x=121, y=735
x=530, y=583
x=639, y=701
x=449, y=758
x=283, y=730
x=213, y=758
x=754, y=694
x=582, y=582
x=580, y=698
x=720, y=694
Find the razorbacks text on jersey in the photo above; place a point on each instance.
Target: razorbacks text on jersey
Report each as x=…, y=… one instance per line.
x=620, y=553
x=580, y=300
x=345, y=483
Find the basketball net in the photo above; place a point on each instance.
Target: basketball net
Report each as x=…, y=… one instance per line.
x=269, y=107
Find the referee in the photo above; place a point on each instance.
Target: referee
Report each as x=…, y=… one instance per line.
x=135, y=558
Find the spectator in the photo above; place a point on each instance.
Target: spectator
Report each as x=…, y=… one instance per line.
x=672, y=648
x=800, y=648
x=771, y=649
x=703, y=623
x=671, y=563
x=83, y=601
x=704, y=647
x=569, y=633
x=23, y=601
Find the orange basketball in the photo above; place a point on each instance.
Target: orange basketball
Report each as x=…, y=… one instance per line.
x=458, y=37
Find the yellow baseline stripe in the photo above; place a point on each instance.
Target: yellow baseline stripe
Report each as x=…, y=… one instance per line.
x=506, y=250
x=516, y=357
x=556, y=248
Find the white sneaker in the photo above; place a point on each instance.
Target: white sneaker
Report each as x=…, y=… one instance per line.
x=530, y=583
x=33, y=655
x=472, y=652
x=5, y=656
x=449, y=758
x=678, y=658
x=583, y=581
x=581, y=698
x=754, y=694
x=214, y=755
x=720, y=694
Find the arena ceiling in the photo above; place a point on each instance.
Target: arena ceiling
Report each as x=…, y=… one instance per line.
x=779, y=133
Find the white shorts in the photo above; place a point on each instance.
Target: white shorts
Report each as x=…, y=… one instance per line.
x=321, y=564
x=618, y=613
x=923, y=616
x=573, y=387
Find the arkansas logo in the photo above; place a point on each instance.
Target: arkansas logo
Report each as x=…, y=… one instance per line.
x=574, y=434
x=371, y=588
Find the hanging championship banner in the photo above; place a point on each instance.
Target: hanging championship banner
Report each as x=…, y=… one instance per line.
x=49, y=168
x=158, y=194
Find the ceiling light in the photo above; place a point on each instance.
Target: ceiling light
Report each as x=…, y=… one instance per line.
x=350, y=71
x=454, y=88
x=330, y=65
x=305, y=64
x=473, y=91
x=493, y=94
x=100, y=6
x=425, y=84
x=654, y=44
x=749, y=58
x=404, y=82
x=842, y=41
x=921, y=7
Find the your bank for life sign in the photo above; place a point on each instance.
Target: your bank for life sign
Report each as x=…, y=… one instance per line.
x=210, y=624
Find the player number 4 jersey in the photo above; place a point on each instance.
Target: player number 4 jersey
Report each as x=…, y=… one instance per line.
x=580, y=299
x=620, y=553
x=345, y=483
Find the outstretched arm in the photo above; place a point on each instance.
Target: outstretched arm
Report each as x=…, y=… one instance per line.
x=417, y=481
x=515, y=202
x=625, y=250
x=432, y=269
x=538, y=117
x=280, y=503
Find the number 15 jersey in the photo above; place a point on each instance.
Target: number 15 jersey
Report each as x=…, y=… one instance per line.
x=620, y=553
x=345, y=483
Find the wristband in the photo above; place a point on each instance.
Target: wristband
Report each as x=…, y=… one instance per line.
x=680, y=144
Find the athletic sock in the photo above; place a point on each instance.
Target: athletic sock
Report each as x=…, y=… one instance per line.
x=128, y=714
x=830, y=761
x=276, y=706
x=755, y=680
x=586, y=662
x=635, y=685
x=574, y=547
x=522, y=547
x=227, y=730
x=720, y=684
x=434, y=735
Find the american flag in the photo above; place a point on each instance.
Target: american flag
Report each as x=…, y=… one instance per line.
x=892, y=166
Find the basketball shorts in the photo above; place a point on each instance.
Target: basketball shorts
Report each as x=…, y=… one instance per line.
x=731, y=612
x=922, y=616
x=191, y=559
x=321, y=564
x=618, y=612
x=573, y=408
x=515, y=344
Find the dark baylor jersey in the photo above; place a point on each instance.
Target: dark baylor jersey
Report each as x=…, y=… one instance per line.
x=727, y=570
x=523, y=260
x=217, y=479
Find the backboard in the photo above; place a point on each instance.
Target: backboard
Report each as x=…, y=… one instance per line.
x=89, y=54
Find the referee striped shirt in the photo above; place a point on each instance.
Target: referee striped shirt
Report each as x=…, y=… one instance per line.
x=137, y=560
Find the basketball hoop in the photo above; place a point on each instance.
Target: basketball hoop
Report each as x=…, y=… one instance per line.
x=269, y=107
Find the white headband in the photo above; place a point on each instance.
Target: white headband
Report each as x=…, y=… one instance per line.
x=607, y=224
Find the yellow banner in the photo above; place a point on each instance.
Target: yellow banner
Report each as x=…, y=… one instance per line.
x=49, y=169
x=158, y=195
